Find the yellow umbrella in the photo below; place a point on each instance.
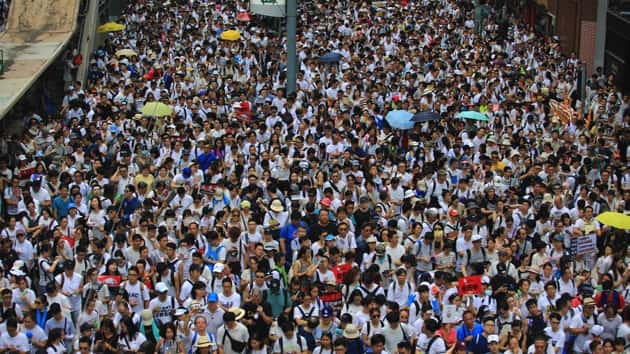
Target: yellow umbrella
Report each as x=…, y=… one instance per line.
x=156, y=109
x=616, y=220
x=125, y=53
x=231, y=35
x=110, y=27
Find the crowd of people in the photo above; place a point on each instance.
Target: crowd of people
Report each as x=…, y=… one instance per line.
x=256, y=220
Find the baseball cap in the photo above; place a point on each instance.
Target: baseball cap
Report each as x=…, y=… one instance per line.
x=476, y=238
x=493, y=338
x=330, y=237
x=218, y=268
x=161, y=287
x=213, y=297
x=326, y=312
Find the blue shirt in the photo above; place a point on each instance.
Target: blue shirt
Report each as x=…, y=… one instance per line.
x=129, y=206
x=463, y=331
x=288, y=233
x=205, y=160
x=479, y=344
x=61, y=206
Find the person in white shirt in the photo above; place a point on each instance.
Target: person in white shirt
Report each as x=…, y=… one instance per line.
x=228, y=297
x=163, y=305
x=12, y=340
x=23, y=296
x=395, y=331
x=429, y=342
x=547, y=300
x=130, y=338
x=138, y=292
x=71, y=285
x=555, y=332
x=234, y=330
x=400, y=289
x=36, y=335
x=289, y=341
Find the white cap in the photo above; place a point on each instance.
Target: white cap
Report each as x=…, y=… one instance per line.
x=597, y=330
x=476, y=237
x=161, y=287
x=218, y=268
x=493, y=338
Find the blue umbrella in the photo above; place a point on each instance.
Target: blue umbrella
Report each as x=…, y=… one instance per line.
x=399, y=119
x=330, y=58
x=474, y=115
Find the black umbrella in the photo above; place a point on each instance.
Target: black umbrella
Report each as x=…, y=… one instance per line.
x=330, y=58
x=422, y=117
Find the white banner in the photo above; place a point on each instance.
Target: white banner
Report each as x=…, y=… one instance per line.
x=272, y=8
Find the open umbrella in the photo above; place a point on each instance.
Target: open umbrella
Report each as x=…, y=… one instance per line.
x=616, y=220
x=156, y=109
x=125, y=53
x=243, y=17
x=330, y=58
x=427, y=116
x=399, y=119
x=474, y=115
x=110, y=27
x=230, y=35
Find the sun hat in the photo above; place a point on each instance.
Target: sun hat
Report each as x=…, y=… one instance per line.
x=238, y=312
x=276, y=206
x=351, y=332
x=203, y=342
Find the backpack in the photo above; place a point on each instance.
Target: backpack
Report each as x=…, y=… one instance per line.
x=123, y=284
x=405, y=337
x=310, y=312
x=299, y=341
x=468, y=254
x=284, y=294
x=433, y=339
x=613, y=295
x=369, y=325
x=389, y=261
x=367, y=292
x=557, y=281
x=394, y=287
x=419, y=243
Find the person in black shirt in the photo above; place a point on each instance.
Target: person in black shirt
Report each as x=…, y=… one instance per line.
x=364, y=214
x=535, y=321
x=258, y=315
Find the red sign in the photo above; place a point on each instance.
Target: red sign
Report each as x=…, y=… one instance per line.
x=469, y=285
x=109, y=280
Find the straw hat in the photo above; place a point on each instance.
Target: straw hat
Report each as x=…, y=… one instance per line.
x=351, y=332
x=238, y=312
x=276, y=206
